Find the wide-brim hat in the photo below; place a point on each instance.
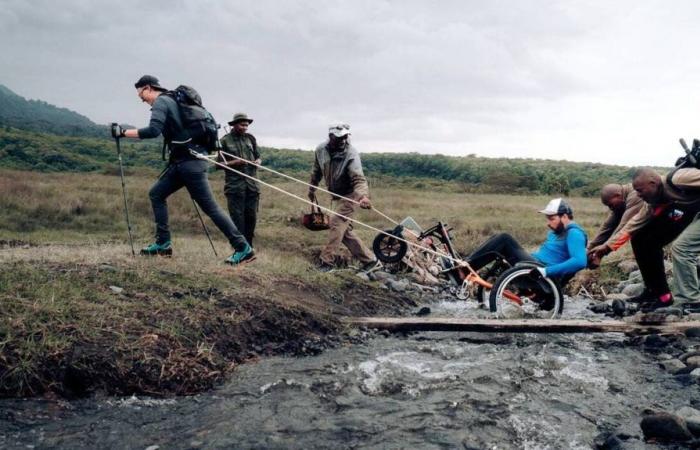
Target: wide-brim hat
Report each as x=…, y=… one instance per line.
x=339, y=129
x=149, y=80
x=240, y=117
x=556, y=207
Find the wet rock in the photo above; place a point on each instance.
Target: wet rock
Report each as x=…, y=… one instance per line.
x=691, y=417
x=512, y=311
x=635, y=277
x=424, y=311
x=666, y=427
x=619, y=307
x=684, y=357
x=693, y=333
x=116, y=289
x=397, y=285
x=362, y=276
x=655, y=341
x=693, y=361
x=628, y=266
x=379, y=275
x=617, y=296
x=695, y=375
x=632, y=290
x=600, y=308
x=672, y=366
x=607, y=441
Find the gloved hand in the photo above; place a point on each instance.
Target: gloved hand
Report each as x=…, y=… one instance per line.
x=117, y=131
x=538, y=272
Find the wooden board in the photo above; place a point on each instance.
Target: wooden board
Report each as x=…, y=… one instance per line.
x=518, y=326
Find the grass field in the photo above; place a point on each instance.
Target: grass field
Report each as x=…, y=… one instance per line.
x=179, y=325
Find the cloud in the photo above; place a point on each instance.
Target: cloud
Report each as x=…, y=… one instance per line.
x=532, y=78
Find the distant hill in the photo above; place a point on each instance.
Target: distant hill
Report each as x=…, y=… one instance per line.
x=37, y=115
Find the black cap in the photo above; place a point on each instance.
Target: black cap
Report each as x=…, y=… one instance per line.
x=149, y=80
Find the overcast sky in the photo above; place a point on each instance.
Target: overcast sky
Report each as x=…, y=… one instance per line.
x=615, y=82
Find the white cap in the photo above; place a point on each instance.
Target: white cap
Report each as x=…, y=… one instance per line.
x=339, y=129
x=557, y=206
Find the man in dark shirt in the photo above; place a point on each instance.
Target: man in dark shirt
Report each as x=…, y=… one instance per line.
x=184, y=170
x=242, y=193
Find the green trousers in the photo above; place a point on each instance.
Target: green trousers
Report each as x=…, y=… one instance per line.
x=684, y=253
x=243, y=209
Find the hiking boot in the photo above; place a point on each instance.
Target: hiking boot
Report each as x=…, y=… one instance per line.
x=156, y=249
x=644, y=297
x=663, y=301
x=239, y=257
x=370, y=266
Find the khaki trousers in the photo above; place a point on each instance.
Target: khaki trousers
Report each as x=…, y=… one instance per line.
x=341, y=232
x=684, y=253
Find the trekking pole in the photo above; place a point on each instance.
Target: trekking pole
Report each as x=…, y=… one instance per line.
x=206, y=231
x=126, y=206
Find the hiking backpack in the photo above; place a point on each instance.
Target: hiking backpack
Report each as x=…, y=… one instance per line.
x=198, y=123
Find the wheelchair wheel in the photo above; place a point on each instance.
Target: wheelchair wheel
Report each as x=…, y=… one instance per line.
x=541, y=298
x=388, y=249
x=483, y=295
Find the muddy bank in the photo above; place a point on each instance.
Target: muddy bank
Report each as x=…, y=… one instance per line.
x=73, y=330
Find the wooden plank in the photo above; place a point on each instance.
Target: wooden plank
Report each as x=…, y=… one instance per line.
x=518, y=326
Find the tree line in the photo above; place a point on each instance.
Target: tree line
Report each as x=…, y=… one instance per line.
x=28, y=150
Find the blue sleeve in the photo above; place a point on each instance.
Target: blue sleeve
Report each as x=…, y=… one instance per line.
x=576, y=245
x=159, y=113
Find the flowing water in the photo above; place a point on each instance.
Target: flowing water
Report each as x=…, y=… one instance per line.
x=425, y=390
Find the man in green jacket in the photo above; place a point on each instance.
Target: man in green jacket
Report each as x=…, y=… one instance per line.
x=338, y=163
x=242, y=193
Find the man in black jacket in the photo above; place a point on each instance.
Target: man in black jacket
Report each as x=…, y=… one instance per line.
x=184, y=170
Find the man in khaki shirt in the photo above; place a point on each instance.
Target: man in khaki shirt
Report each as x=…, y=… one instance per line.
x=338, y=163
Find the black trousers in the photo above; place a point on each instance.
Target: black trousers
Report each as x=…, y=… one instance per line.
x=500, y=245
x=648, y=247
x=190, y=174
x=243, y=209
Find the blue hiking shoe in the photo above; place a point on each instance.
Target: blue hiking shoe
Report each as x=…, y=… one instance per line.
x=156, y=249
x=239, y=257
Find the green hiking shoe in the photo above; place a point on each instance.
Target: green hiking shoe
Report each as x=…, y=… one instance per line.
x=156, y=249
x=245, y=255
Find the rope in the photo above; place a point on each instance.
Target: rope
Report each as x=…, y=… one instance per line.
x=260, y=166
x=456, y=261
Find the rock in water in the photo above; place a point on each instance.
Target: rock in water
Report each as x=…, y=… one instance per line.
x=672, y=366
x=424, y=311
x=691, y=417
x=600, y=308
x=663, y=426
x=512, y=311
x=619, y=307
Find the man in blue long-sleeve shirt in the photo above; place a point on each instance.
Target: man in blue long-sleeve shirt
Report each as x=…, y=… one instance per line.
x=562, y=254
x=184, y=170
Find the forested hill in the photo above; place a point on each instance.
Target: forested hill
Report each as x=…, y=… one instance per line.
x=35, y=135
x=37, y=115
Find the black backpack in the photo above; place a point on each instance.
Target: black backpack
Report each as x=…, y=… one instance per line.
x=197, y=122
